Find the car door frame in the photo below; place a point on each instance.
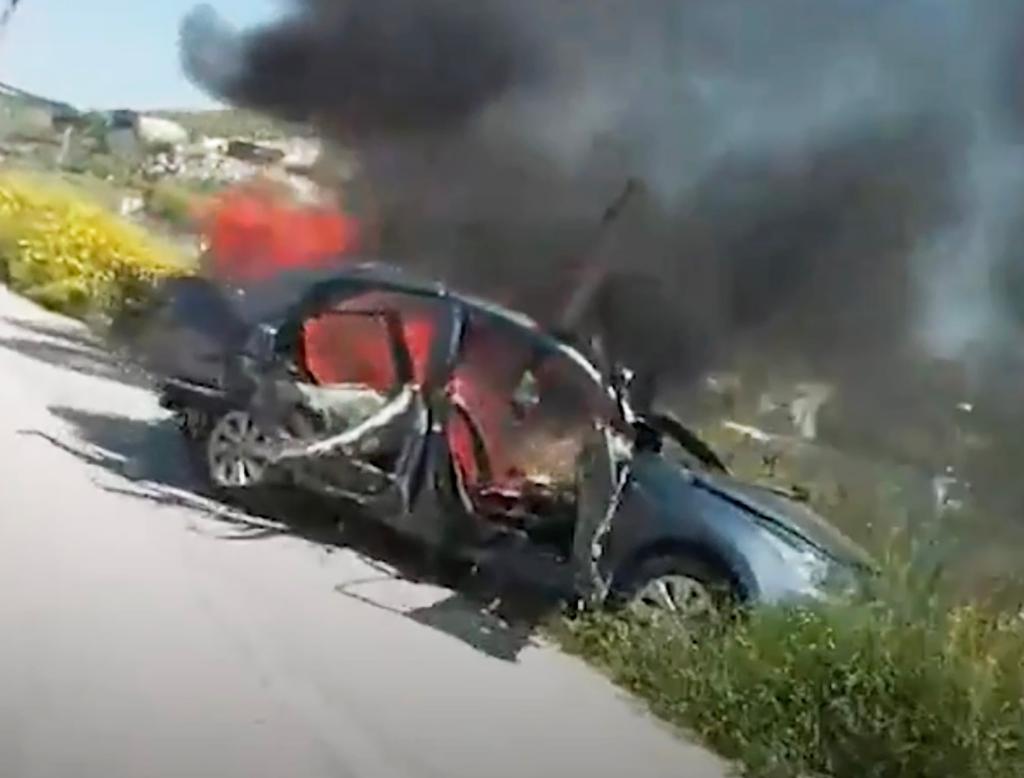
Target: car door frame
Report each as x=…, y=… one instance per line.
x=430, y=504
x=437, y=509
x=396, y=502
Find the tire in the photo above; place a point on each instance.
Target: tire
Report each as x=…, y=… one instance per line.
x=199, y=440
x=678, y=583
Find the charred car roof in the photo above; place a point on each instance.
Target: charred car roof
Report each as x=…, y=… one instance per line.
x=377, y=276
x=319, y=287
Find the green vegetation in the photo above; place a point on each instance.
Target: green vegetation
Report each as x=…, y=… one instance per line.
x=173, y=203
x=63, y=250
x=847, y=691
x=106, y=167
x=912, y=684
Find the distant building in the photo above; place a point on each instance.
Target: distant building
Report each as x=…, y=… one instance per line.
x=122, y=139
x=131, y=134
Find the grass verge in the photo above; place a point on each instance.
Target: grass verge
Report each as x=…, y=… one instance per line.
x=898, y=688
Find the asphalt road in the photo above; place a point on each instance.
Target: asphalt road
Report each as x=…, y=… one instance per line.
x=146, y=632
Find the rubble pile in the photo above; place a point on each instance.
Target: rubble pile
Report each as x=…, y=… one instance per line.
x=233, y=160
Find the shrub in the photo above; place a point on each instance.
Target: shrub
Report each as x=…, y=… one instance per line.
x=173, y=203
x=848, y=690
x=106, y=166
x=67, y=253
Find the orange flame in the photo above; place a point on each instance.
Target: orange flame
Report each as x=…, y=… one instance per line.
x=253, y=232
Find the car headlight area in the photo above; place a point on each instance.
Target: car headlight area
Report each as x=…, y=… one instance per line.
x=804, y=571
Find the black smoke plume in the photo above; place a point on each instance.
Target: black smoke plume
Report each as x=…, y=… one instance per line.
x=388, y=66
x=827, y=180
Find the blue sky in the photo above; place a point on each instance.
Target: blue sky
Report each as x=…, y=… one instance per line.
x=110, y=53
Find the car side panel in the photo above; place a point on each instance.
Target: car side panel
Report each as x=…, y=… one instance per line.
x=664, y=508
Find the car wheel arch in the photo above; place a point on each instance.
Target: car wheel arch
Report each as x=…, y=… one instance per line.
x=740, y=582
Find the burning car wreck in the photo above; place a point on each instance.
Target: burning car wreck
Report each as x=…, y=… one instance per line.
x=467, y=427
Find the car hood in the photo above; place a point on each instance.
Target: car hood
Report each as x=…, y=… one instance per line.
x=790, y=514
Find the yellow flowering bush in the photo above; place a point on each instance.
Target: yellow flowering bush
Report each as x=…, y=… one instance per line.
x=68, y=253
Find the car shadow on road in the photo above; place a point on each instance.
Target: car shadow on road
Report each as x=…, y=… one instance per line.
x=491, y=628
x=152, y=458
x=70, y=348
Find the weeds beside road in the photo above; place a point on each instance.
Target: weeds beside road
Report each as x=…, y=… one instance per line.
x=906, y=686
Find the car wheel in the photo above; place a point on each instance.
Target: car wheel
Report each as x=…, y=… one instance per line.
x=237, y=453
x=679, y=585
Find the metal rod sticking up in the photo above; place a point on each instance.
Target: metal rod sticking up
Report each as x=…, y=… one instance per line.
x=598, y=261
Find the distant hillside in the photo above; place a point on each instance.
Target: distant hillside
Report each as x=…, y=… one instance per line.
x=230, y=122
